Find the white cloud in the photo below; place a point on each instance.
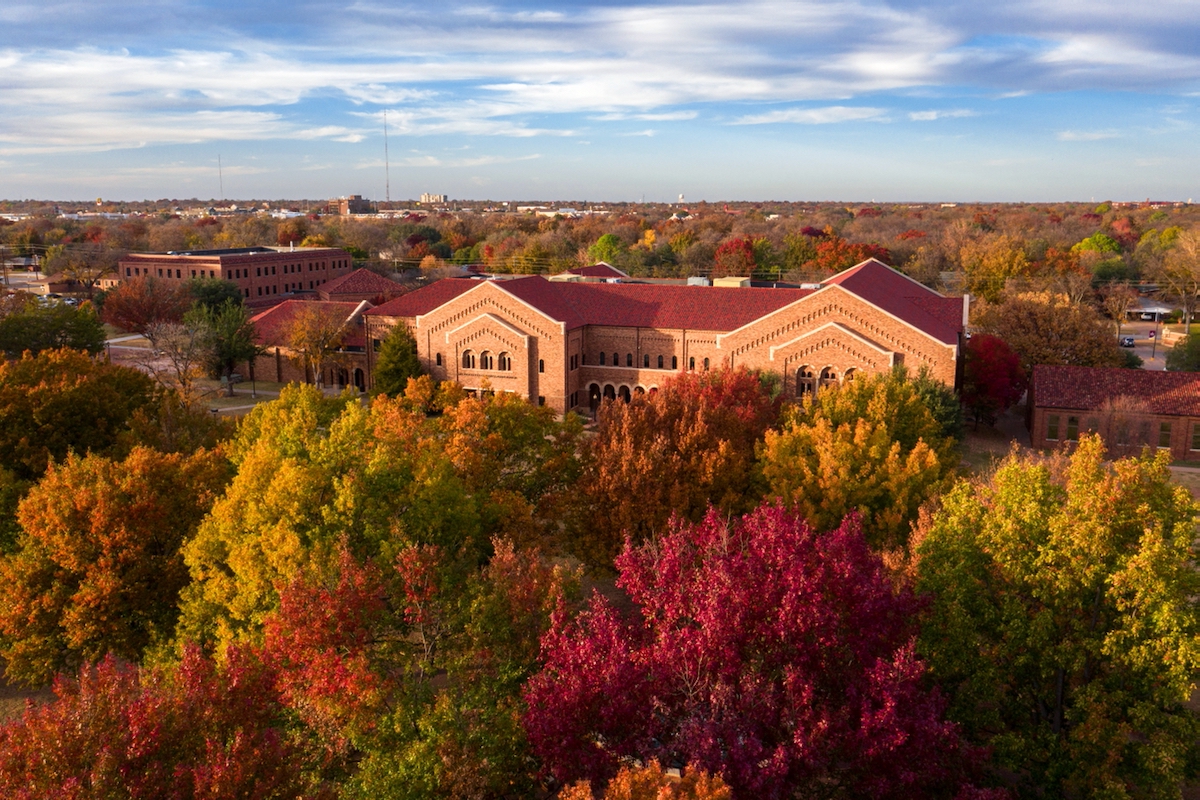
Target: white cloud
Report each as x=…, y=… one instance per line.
x=930, y=116
x=1086, y=136
x=815, y=116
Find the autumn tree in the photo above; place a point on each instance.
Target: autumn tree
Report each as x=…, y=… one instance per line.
x=1118, y=300
x=139, y=304
x=1047, y=328
x=228, y=337
x=395, y=362
x=179, y=352
x=26, y=325
x=316, y=334
x=990, y=261
x=194, y=731
x=1185, y=355
x=778, y=658
x=674, y=451
x=652, y=782
x=734, y=257
x=97, y=568
x=61, y=401
x=870, y=446
x=1063, y=622
x=993, y=380
x=1179, y=273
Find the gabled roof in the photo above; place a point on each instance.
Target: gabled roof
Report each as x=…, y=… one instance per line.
x=425, y=299
x=361, y=281
x=600, y=270
x=271, y=327
x=1089, y=388
x=903, y=297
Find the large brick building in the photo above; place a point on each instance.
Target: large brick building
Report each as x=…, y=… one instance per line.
x=570, y=344
x=259, y=272
x=1130, y=408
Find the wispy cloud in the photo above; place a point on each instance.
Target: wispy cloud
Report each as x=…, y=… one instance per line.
x=815, y=116
x=930, y=116
x=1086, y=136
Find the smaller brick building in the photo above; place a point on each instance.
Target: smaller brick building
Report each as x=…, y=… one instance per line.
x=273, y=330
x=259, y=272
x=1130, y=408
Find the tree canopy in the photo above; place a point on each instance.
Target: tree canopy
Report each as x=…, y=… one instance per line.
x=396, y=362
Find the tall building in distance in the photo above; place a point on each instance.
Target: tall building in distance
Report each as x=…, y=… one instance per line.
x=432, y=199
x=351, y=204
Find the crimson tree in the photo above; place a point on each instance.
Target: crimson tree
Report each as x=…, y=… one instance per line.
x=993, y=380
x=778, y=658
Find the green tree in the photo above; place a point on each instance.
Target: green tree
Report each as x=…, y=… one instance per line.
x=870, y=446
x=33, y=327
x=213, y=293
x=97, y=568
x=1185, y=355
x=396, y=362
x=608, y=248
x=1063, y=622
x=229, y=338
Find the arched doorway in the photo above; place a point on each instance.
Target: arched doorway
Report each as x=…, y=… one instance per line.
x=343, y=378
x=624, y=393
x=609, y=392
x=360, y=380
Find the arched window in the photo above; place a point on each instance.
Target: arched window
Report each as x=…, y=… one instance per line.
x=504, y=362
x=692, y=364
x=542, y=364
x=624, y=394
x=849, y=375
x=616, y=359
x=660, y=362
x=629, y=359
x=639, y=389
x=674, y=362
x=609, y=392
x=485, y=360
x=646, y=361
x=468, y=360
x=602, y=358
x=706, y=365
x=828, y=377
x=805, y=384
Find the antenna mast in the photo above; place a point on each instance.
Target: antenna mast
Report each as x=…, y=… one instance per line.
x=387, y=168
x=221, y=176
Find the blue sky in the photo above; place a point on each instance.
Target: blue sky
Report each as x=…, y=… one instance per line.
x=761, y=100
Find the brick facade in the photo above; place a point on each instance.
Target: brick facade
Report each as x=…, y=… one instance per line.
x=259, y=272
x=555, y=342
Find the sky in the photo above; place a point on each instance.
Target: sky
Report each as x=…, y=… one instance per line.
x=854, y=100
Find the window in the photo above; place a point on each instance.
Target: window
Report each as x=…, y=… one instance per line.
x=646, y=361
x=602, y=358
x=805, y=384
x=272, y=270
x=437, y=359
x=193, y=273
x=1052, y=427
x=468, y=359
x=260, y=291
x=1164, y=435
x=674, y=362
x=485, y=360
x=160, y=273
x=541, y=400
x=541, y=365
x=1072, y=429
x=828, y=377
x=616, y=359
x=178, y=273
x=258, y=272
x=692, y=363
x=660, y=362
x=504, y=362
x=706, y=365
x=1196, y=436
x=629, y=359
x=128, y=272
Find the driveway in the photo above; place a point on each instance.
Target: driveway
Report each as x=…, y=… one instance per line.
x=1152, y=357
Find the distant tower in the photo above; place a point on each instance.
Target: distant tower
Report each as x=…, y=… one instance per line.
x=681, y=198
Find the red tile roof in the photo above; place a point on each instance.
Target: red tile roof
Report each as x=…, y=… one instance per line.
x=1089, y=388
x=271, y=326
x=601, y=270
x=362, y=281
x=707, y=308
x=901, y=296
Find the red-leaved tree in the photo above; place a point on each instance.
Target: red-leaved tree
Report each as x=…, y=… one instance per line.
x=835, y=254
x=137, y=304
x=993, y=380
x=768, y=654
x=734, y=257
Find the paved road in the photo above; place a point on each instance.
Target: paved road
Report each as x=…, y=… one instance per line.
x=1153, y=357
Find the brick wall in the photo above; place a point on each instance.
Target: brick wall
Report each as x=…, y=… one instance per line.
x=1124, y=434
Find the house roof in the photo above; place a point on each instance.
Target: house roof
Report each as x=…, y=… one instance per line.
x=271, y=327
x=601, y=270
x=361, y=281
x=1090, y=388
x=707, y=308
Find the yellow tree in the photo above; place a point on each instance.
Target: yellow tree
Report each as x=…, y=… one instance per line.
x=316, y=334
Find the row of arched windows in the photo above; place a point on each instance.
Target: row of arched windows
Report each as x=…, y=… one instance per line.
x=661, y=363
x=808, y=383
x=501, y=362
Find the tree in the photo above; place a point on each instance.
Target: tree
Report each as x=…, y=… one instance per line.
x=84, y=264
x=608, y=248
x=1063, y=622
x=676, y=451
x=652, y=782
x=97, y=568
x=1185, y=355
x=734, y=257
x=214, y=293
x=61, y=401
x=1045, y=328
x=870, y=447
x=1179, y=273
x=993, y=380
x=228, y=338
x=835, y=254
x=194, y=731
x=316, y=334
x=989, y=261
x=396, y=362
x=139, y=304
x=179, y=351
x=778, y=658
x=30, y=326
x=1118, y=299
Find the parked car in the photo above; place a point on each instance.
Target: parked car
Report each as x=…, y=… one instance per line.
x=1126, y=341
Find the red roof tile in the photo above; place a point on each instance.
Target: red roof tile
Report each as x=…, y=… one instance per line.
x=425, y=299
x=706, y=308
x=361, y=281
x=1089, y=388
x=902, y=297
x=271, y=326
